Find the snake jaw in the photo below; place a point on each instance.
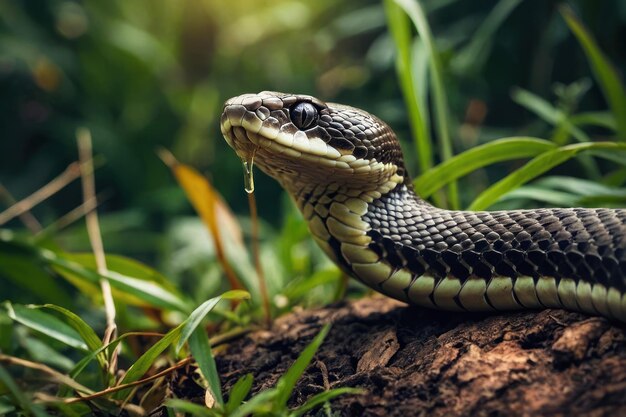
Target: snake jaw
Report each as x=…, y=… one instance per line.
x=332, y=147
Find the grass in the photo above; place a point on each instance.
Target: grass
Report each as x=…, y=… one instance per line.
x=71, y=355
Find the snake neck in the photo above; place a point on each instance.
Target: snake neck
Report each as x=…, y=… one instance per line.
x=402, y=246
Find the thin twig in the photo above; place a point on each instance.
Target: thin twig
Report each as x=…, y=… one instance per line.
x=83, y=137
x=75, y=214
x=110, y=390
x=257, y=260
x=27, y=218
x=71, y=173
x=59, y=377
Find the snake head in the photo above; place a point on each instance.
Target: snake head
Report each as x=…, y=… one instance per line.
x=301, y=140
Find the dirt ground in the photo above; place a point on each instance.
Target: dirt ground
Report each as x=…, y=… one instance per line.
x=415, y=362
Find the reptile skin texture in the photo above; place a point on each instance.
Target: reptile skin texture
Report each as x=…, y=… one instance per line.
x=344, y=169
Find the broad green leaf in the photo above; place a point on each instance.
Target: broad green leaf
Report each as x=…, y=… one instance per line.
x=322, y=398
x=42, y=352
x=604, y=72
x=84, y=330
x=287, y=382
x=46, y=324
x=478, y=157
x=201, y=352
x=438, y=93
x=239, y=392
x=124, y=266
x=534, y=168
x=136, y=291
x=20, y=265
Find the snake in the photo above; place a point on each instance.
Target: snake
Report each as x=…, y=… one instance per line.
x=344, y=169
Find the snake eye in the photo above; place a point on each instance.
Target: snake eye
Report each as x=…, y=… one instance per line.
x=303, y=115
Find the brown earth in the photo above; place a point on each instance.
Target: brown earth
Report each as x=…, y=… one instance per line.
x=415, y=362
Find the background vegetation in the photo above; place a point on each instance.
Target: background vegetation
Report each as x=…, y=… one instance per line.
x=448, y=76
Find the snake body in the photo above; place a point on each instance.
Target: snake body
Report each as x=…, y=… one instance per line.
x=344, y=169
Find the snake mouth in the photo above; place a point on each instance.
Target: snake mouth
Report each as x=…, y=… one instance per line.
x=249, y=133
x=300, y=140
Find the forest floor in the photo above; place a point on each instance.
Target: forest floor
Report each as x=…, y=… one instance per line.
x=414, y=362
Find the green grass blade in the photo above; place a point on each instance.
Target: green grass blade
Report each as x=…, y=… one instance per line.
x=145, y=361
x=134, y=290
x=473, y=56
x=194, y=319
x=84, y=330
x=322, y=398
x=603, y=119
x=605, y=74
x=442, y=124
x=201, y=351
x=534, y=168
x=400, y=29
x=543, y=195
x=499, y=150
x=547, y=112
x=46, y=324
x=287, y=382
x=239, y=392
x=189, y=408
x=25, y=404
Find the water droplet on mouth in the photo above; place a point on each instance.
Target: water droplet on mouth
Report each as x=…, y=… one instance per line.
x=248, y=173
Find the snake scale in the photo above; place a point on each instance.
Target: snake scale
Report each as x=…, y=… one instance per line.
x=344, y=169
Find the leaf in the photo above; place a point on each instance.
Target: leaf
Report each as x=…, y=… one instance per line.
x=322, y=398
x=534, y=168
x=190, y=408
x=239, y=392
x=604, y=72
x=440, y=102
x=19, y=264
x=210, y=206
x=24, y=403
x=145, y=361
x=399, y=26
x=201, y=351
x=137, y=291
x=123, y=265
x=595, y=118
x=543, y=195
x=46, y=324
x=83, y=329
x=194, y=319
x=548, y=112
x=478, y=157
x=40, y=351
x=473, y=56
x=287, y=382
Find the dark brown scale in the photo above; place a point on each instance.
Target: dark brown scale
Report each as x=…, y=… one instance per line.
x=581, y=244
